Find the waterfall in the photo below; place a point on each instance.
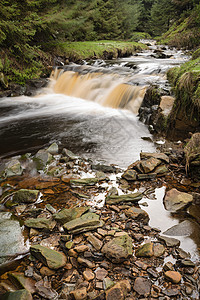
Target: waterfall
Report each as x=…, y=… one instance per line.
x=110, y=90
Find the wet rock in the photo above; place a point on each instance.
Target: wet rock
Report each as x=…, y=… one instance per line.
x=22, y=282
x=186, y=263
x=44, y=271
x=88, y=275
x=69, y=154
x=51, y=258
x=150, y=164
x=11, y=237
x=66, y=215
x=104, y=168
x=145, y=250
x=40, y=223
x=42, y=158
x=158, y=250
x=192, y=151
x=107, y=283
x=17, y=295
x=81, y=248
x=118, y=249
x=170, y=242
x=161, y=170
x=175, y=200
x=142, y=286
x=118, y=291
x=182, y=229
x=96, y=243
x=86, y=222
x=25, y=196
x=130, y=175
x=13, y=168
x=44, y=289
x=79, y=294
x=101, y=274
x=84, y=181
x=194, y=211
x=137, y=214
x=134, y=197
x=168, y=266
x=173, y=276
x=85, y=262
x=171, y=292
x=147, y=176
x=53, y=149
x=101, y=176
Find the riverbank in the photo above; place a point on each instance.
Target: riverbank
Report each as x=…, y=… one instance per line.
x=88, y=229
x=15, y=72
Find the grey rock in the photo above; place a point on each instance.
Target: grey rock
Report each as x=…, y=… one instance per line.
x=142, y=286
x=25, y=196
x=17, y=295
x=134, y=197
x=170, y=242
x=184, y=228
x=130, y=175
x=53, y=149
x=13, y=168
x=137, y=214
x=66, y=215
x=40, y=223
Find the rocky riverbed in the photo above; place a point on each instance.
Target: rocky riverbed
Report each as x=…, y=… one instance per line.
x=74, y=229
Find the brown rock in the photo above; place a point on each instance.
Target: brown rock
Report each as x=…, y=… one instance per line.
x=80, y=294
x=88, y=275
x=158, y=250
x=96, y=243
x=142, y=286
x=173, y=276
x=81, y=248
x=118, y=291
x=145, y=250
x=86, y=262
x=101, y=274
x=44, y=271
x=137, y=213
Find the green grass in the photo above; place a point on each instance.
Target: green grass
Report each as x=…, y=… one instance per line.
x=94, y=49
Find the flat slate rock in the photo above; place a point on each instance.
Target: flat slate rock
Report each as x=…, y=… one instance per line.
x=175, y=200
x=66, y=215
x=170, y=242
x=86, y=222
x=150, y=164
x=130, y=175
x=114, y=199
x=138, y=214
x=25, y=196
x=142, y=286
x=84, y=181
x=160, y=156
x=40, y=223
x=51, y=258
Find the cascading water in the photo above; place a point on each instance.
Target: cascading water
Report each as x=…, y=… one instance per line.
x=90, y=109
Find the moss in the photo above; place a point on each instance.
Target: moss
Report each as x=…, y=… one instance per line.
x=136, y=36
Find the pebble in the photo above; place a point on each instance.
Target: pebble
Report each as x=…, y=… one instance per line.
x=173, y=276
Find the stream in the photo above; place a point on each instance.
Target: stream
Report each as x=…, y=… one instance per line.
x=91, y=109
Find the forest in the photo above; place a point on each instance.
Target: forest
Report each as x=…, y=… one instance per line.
x=31, y=29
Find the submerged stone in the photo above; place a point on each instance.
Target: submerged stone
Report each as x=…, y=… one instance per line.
x=25, y=196
x=86, y=222
x=175, y=200
x=118, y=249
x=40, y=223
x=182, y=229
x=66, y=215
x=170, y=242
x=51, y=258
x=114, y=199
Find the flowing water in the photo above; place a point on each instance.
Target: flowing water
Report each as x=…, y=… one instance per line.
x=91, y=109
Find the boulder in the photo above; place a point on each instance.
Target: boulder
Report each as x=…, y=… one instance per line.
x=25, y=196
x=86, y=222
x=53, y=149
x=42, y=158
x=118, y=249
x=175, y=200
x=51, y=258
x=114, y=199
x=66, y=215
